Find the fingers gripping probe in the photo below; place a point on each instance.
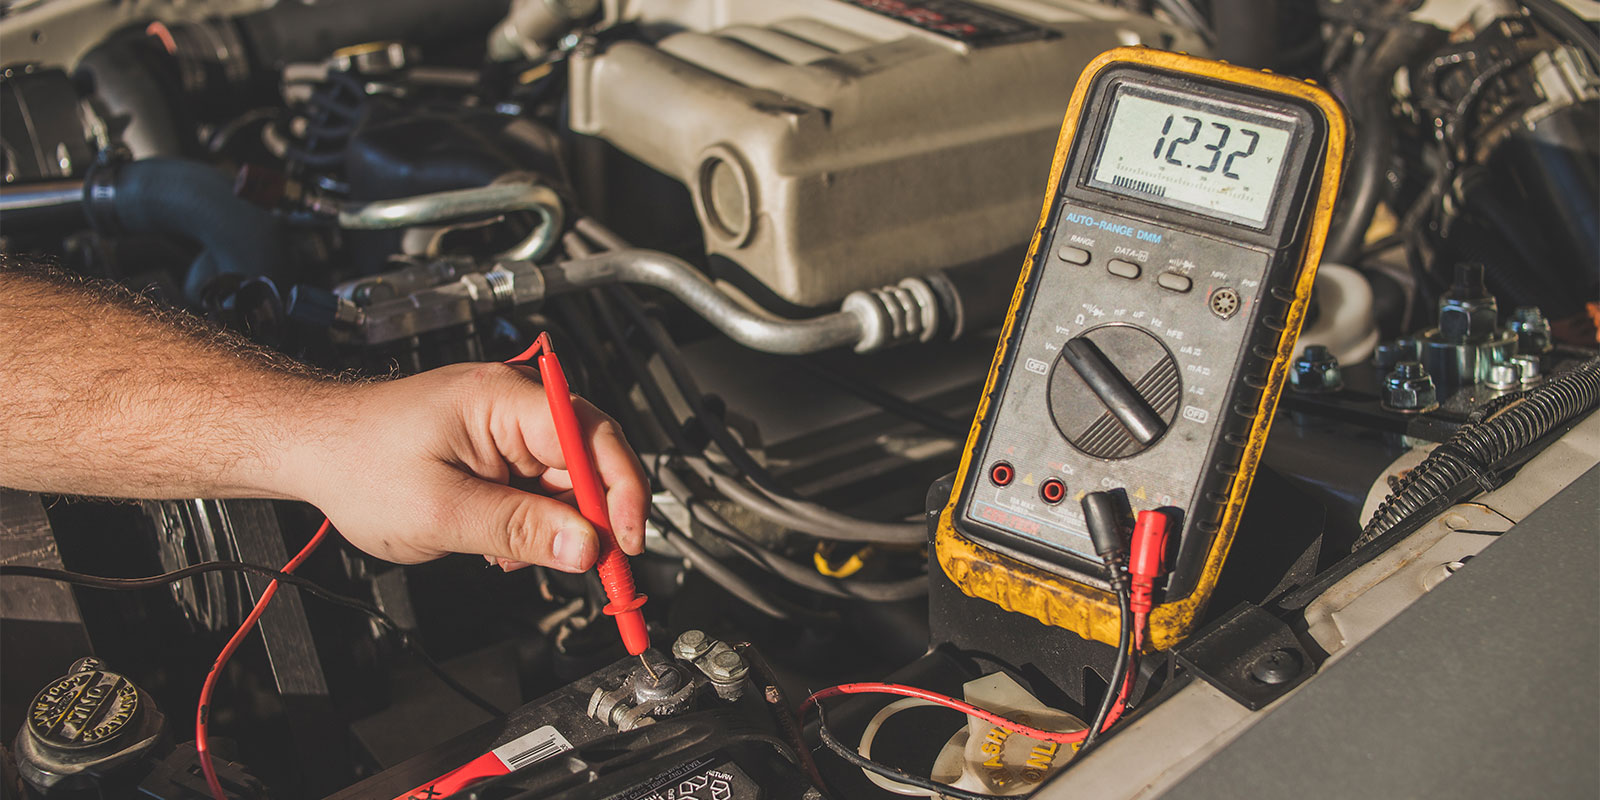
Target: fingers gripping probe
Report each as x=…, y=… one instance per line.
x=615, y=574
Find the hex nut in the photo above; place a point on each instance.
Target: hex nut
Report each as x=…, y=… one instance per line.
x=1468, y=313
x=1462, y=321
x=1316, y=371
x=1409, y=389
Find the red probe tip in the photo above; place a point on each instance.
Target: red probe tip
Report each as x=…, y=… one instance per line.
x=630, y=624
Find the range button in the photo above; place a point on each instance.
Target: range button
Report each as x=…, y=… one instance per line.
x=1174, y=281
x=1072, y=255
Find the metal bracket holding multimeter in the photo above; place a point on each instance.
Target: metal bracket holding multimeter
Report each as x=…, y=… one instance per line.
x=1149, y=335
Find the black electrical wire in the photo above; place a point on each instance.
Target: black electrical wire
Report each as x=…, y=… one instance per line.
x=731, y=581
x=653, y=398
x=806, y=517
x=778, y=705
x=1119, y=672
x=802, y=576
x=898, y=775
x=310, y=587
x=888, y=401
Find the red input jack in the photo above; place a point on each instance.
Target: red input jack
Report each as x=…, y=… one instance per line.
x=1001, y=473
x=1053, y=490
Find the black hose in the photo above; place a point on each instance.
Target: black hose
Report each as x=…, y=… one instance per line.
x=1373, y=148
x=1473, y=451
x=192, y=200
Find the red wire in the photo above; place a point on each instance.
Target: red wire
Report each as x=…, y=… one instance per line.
x=200, y=744
x=1073, y=737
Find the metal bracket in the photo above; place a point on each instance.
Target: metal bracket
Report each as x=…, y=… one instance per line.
x=1249, y=655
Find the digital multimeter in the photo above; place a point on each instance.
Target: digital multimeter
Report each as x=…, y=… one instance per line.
x=1149, y=334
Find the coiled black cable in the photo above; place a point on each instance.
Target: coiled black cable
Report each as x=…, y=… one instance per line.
x=1472, y=453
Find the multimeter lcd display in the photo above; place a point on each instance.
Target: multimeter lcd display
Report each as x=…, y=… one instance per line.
x=1193, y=153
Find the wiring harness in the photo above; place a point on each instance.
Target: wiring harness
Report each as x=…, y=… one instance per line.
x=1468, y=462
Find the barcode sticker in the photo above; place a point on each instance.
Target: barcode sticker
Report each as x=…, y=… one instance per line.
x=531, y=748
x=525, y=750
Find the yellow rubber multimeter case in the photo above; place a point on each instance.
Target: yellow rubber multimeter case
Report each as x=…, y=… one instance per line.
x=1197, y=283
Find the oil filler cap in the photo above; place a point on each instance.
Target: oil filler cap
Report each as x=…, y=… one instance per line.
x=83, y=724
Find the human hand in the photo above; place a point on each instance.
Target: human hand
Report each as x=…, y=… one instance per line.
x=463, y=459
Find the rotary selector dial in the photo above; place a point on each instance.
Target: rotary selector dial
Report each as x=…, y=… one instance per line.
x=1114, y=391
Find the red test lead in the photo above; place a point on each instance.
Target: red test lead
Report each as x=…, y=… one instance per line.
x=1145, y=564
x=615, y=574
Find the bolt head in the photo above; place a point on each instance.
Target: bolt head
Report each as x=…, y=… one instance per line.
x=691, y=644
x=1276, y=667
x=727, y=666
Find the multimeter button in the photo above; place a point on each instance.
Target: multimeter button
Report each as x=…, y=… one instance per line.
x=1123, y=269
x=1073, y=255
x=1052, y=490
x=1174, y=281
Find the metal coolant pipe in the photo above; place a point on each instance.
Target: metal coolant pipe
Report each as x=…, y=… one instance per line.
x=42, y=201
x=684, y=282
x=503, y=196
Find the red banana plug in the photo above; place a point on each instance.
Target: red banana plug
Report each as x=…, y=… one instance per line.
x=615, y=573
x=1145, y=565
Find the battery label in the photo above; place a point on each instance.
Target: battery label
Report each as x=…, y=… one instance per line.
x=530, y=748
x=700, y=779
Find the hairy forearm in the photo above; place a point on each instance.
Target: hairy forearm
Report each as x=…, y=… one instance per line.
x=103, y=394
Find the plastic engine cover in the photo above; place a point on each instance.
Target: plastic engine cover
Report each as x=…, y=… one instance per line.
x=828, y=147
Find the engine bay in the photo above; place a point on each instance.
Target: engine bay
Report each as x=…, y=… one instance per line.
x=778, y=243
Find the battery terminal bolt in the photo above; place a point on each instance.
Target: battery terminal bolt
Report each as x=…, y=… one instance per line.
x=691, y=644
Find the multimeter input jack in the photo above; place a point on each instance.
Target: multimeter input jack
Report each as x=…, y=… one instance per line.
x=1052, y=490
x=1001, y=474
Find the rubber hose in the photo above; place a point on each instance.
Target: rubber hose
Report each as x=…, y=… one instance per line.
x=1373, y=147
x=189, y=199
x=1476, y=448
